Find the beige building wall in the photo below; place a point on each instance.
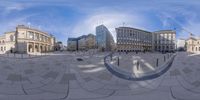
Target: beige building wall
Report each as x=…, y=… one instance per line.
x=71, y=45
x=2, y=44
x=84, y=42
x=164, y=41
x=193, y=45
x=90, y=42
x=28, y=40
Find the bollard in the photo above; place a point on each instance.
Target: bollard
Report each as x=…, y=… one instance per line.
x=164, y=58
x=118, y=61
x=111, y=57
x=157, y=62
x=137, y=65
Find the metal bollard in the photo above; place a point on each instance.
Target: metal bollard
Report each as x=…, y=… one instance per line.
x=164, y=58
x=157, y=62
x=137, y=65
x=168, y=55
x=111, y=57
x=118, y=61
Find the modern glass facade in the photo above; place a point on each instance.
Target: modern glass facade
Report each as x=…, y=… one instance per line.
x=104, y=39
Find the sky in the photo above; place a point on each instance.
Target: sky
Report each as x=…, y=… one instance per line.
x=72, y=18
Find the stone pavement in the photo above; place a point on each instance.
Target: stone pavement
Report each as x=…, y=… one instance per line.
x=61, y=77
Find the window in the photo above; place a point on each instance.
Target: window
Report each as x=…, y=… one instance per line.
x=11, y=38
x=40, y=37
x=36, y=36
x=31, y=35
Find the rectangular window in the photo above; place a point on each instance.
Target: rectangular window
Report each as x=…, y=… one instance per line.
x=31, y=35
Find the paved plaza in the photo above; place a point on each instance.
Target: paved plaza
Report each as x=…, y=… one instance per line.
x=60, y=76
x=147, y=62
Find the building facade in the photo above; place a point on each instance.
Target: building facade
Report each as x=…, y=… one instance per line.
x=193, y=45
x=26, y=40
x=132, y=39
x=90, y=42
x=84, y=42
x=164, y=41
x=104, y=39
x=181, y=44
x=72, y=44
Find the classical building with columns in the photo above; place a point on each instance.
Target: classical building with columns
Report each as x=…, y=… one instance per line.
x=193, y=44
x=26, y=40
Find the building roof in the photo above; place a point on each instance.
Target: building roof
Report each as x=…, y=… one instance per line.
x=133, y=28
x=72, y=39
x=164, y=31
x=193, y=38
x=26, y=27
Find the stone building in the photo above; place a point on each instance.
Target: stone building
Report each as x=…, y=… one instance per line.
x=132, y=39
x=90, y=42
x=84, y=42
x=193, y=44
x=72, y=44
x=164, y=41
x=26, y=40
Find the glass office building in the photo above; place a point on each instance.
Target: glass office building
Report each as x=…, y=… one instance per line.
x=104, y=39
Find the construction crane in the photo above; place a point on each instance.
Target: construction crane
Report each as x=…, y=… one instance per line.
x=181, y=26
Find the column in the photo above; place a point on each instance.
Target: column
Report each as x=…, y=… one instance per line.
x=33, y=46
x=27, y=47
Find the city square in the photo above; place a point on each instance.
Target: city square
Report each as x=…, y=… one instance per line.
x=50, y=77
x=99, y=50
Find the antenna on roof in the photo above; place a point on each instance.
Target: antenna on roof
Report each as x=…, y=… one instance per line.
x=123, y=24
x=29, y=25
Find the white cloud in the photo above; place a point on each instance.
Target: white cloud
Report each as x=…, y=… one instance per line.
x=110, y=19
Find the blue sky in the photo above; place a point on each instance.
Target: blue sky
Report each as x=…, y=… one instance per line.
x=71, y=18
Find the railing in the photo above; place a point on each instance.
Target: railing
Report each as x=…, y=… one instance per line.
x=115, y=70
